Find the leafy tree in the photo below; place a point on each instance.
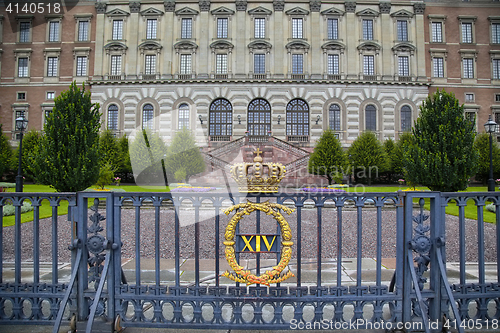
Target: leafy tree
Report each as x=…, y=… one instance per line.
x=68, y=156
x=397, y=159
x=442, y=156
x=5, y=153
x=31, y=141
x=328, y=158
x=390, y=151
x=482, y=146
x=124, y=164
x=110, y=152
x=367, y=157
x=106, y=174
x=147, y=153
x=184, y=158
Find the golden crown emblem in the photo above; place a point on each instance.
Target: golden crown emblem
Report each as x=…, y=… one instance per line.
x=257, y=176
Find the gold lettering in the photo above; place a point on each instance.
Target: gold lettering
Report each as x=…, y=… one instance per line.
x=257, y=243
x=267, y=243
x=247, y=243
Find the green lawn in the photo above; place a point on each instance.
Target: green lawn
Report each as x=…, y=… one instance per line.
x=46, y=210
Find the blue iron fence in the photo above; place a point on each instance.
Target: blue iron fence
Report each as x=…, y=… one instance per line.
x=375, y=260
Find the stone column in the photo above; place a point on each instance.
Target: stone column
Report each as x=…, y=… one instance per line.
x=100, y=60
x=352, y=40
x=203, y=54
x=240, y=53
x=387, y=37
x=419, y=41
x=167, y=51
x=316, y=57
x=279, y=63
x=133, y=59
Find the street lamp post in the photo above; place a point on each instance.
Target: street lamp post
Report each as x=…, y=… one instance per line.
x=490, y=128
x=21, y=125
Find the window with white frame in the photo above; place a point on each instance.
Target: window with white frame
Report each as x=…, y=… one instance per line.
x=151, y=27
x=402, y=30
x=259, y=27
x=22, y=67
x=185, y=64
x=367, y=29
x=405, y=118
x=437, y=32
x=24, y=32
x=50, y=95
x=438, y=67
x=53, y=31
x=183, y=116
x=150, y=65
x=297, y=28
x=259, y=63
x=495, y=33
x=222, y=27
x=113, y=117
x=221, y=63
x=468, y=68
x=297, y=118
x=52, y=66
x=332, y=25
x=116, y=65
x=333, y=66
x=220, y=118
x=334, y=117
x=259, y=117
x=21, y=96
x=83, y=30
x=46, y=114
x=186, y=28
x=470, y=116
x=147, y=116
x=403, y=66
x=117, y=33
x=368, y=65
x=496, y=69
x=297, y=63
x=466, y=32
x=469, y=97
x=81, y=66
x=370, y=117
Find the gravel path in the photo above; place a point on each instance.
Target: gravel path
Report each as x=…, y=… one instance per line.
x=207, y=235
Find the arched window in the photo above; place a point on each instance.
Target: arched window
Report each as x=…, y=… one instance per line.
x=370, y=117
x=334, y=117
x=183, y=116
x=113, y=117
x=259, y=117
x=297, y=118
x=147, y=116
x=405, y=118
x=220, y=119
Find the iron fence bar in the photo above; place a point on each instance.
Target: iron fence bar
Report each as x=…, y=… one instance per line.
x=112, y=246
x=257, y=227
x=55, y=255
x=418, y=293
x=462, y=202
x=117, y=272
x=36, y=241
x=1, y=241
x=217, y=241
x=437, y=231
x=197, y=205
x=298, y=205
x=177, y=245
x=138, y=246
x=480, y=241
x=359, y=239
x=378, y=278
x=319, y=206
x=339, y=204
x=82, y=271
x=406, y=279
x=98, y=293
x=157, y=242
x=17, y=242
x=497, y=218
x=401, y=243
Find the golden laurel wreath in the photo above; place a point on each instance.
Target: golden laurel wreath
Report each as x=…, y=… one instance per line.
x=271, y=276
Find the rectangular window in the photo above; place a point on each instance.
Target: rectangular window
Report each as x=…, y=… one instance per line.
x=368, y=29
x=368, y=65
x=402, y=31
x=51, y=95
x=297, y=31
x=403, y=66
x=371, y=119
x=221, y=64
x=496, y=69
x=24, y=32
x=468, y=66
x=260, y=28
x=22, y=67
x=470, y=116
x=151, y=28
x=297, y=63
x=116, y=65
x=117, y=30
x=186, y=28
x=497, y=99
x=495, y=33
x=183, y=116
x=469, y=97
x=185, y=64
x=438, y=64
x=81, y=66
x=259, y=63
x=437, y=32
x=53, y=31
x=333, y=29
x=52, y=66
x=222, y=28
x=467, y=33
x=333, y=64
x=83, y=31
x=150, y=67
x=21, y=96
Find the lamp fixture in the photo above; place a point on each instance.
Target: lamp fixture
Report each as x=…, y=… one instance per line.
x=279, y=119
x=239, y=119
x=317, y=119
x=201, y=120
